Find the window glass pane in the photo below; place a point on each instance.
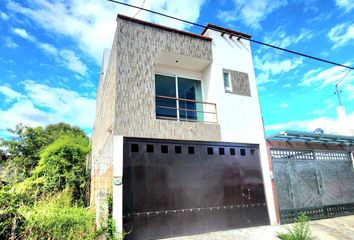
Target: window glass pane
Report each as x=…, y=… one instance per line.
x=227, y=80
x=190, y=89
x=165, y=86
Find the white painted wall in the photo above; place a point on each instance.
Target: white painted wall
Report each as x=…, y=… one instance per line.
x=183, y=72
x=117, y=186
x=239, y=116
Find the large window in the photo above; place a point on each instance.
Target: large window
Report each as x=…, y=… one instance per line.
x=178, y=98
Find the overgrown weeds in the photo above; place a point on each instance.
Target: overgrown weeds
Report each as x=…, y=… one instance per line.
x=57, y=218
x=44, y=182
x=299, y=231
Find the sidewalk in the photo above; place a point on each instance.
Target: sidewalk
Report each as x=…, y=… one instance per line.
x=339, y=228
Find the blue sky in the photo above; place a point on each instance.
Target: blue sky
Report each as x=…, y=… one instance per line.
x=51, y=54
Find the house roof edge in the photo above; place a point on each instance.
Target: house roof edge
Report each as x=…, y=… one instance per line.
x=150, y=24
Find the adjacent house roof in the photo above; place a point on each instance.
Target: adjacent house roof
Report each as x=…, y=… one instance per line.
x=225, y=30
x=163, y=27
x=307, y=137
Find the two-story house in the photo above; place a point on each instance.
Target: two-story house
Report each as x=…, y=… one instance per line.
x=178, y=135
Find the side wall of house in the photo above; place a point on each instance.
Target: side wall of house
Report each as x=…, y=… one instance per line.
x=137, y=48
x=101, y=165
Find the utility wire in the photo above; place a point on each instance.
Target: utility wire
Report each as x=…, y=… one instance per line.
x=340, y=80
x=251, y=40
x=142, y=5
x=338, y=92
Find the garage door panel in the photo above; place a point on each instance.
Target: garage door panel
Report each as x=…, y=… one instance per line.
x=170, y=193
x=256, y=214
x=223, y=185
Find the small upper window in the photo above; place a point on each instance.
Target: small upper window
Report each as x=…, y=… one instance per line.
x=227, y=82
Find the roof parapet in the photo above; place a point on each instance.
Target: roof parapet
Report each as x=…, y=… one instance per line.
x=150, y=24
x=225, y=30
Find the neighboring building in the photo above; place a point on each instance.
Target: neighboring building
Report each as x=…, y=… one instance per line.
x=179, y=133
x=313, y=174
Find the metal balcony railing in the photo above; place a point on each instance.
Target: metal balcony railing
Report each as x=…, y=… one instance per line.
x=182, y=109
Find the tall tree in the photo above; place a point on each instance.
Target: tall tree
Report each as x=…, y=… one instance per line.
x=24, y=149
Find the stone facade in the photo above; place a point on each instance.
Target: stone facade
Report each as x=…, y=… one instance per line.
x=240, y=83
x=137, y=48
x=126, y=95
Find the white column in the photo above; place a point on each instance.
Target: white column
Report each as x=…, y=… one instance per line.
x=117, y=186
x=267, y=178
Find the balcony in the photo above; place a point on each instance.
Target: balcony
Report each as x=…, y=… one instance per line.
x=187, y=110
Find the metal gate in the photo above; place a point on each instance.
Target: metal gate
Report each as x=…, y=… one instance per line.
x=174, y=188
x=318, y=183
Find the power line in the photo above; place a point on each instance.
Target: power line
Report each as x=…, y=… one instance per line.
x=142, y=5
x=251, y=40
x=158, y=13
x=338, y=92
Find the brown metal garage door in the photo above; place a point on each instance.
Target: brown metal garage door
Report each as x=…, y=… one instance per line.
x=174, y=188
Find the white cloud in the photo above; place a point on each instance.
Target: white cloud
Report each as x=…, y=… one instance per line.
x=23, y=34
x=23, y=112
x=4, y=16
x=91, y=23
x=283, y=105
x=341, y=34
x=251, y=13
x=48, y=48
x=279, y=37
x=276, y=67
x=326, y=77
x=322, y=111
x=270, y=67
x=73, y=62
x=288, y=85
x=9, y=93
x=347, y=5
x=264, y=78
x=67, y=58
x=41, y=104
x=261, y=88
x=349, y=88
x=324, y=16
x=329, y=125
x=10, y=43
x=185, y=9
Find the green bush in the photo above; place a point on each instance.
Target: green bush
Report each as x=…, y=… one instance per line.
x=39, y=164
x=299, y=231
x=62, y=164
x=56, y=218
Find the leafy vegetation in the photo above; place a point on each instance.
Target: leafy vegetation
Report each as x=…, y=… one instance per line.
x=56, y=218
x=43, y=192
x=299, y=231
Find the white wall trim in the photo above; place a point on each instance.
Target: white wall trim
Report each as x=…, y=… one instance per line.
x=117, y=186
